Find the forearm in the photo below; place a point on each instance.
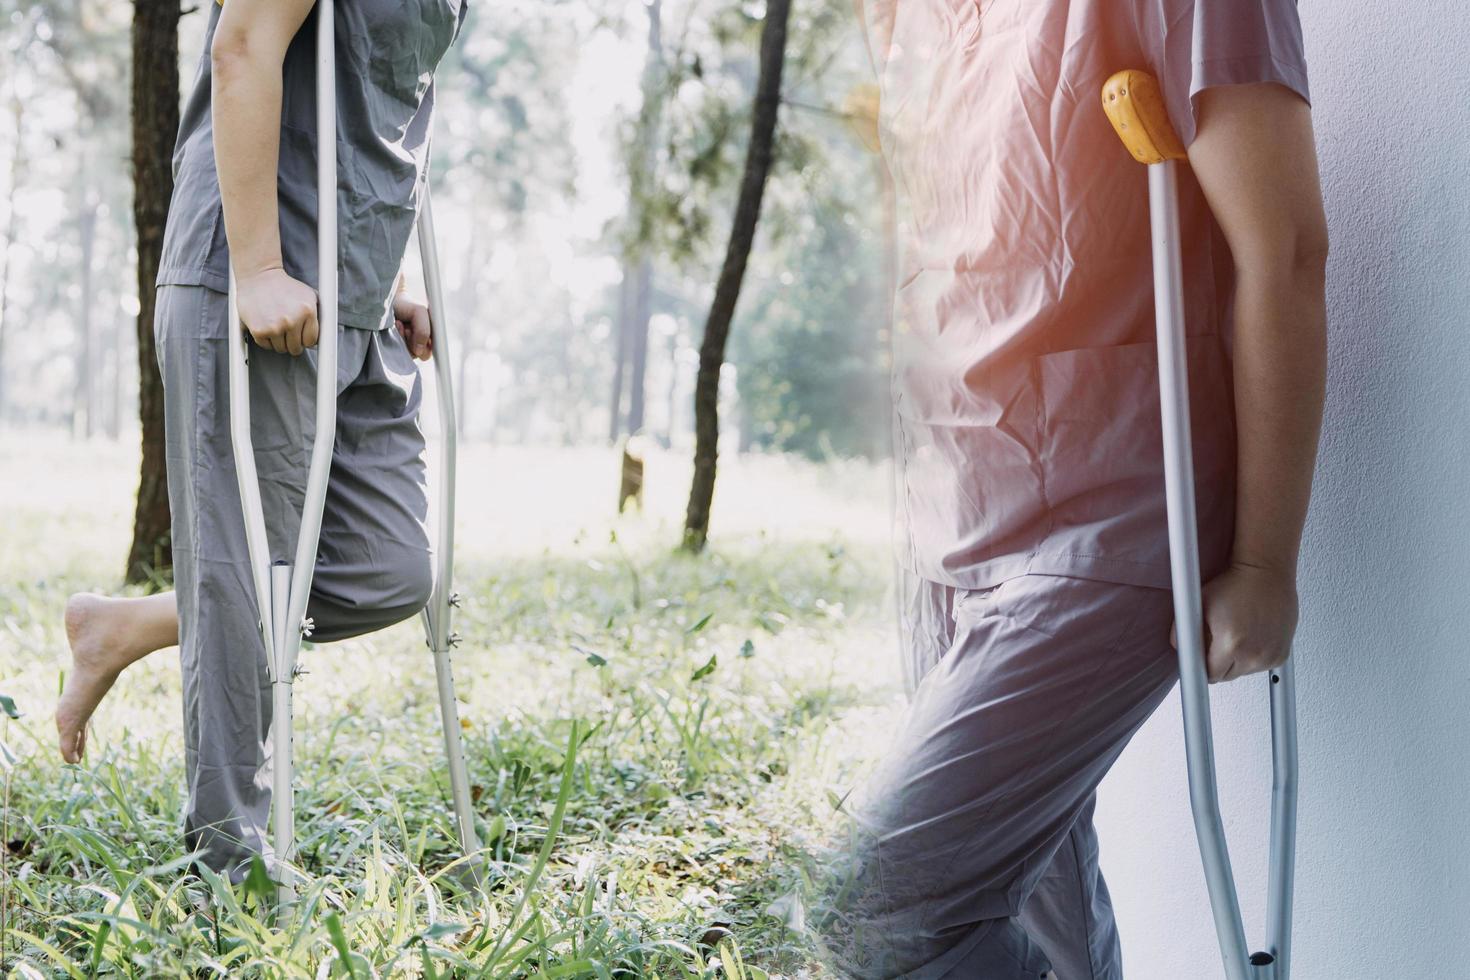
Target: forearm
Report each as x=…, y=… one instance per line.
x=246, y=94
x=246, y=55
x=1280, y=381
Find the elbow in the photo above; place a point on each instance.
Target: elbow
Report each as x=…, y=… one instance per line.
x=226, y=59
x=226, y=50
x=1290, y=255
x=1309, y=251
x=236, y=50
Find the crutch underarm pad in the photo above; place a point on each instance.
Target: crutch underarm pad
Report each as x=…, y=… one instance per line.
x=1135, y=107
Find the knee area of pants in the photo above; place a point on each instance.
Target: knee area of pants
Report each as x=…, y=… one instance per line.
x=403, y=580
x=415, y=577
x=395, y=593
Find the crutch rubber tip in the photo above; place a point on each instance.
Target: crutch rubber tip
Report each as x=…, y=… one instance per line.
x=1135, y=107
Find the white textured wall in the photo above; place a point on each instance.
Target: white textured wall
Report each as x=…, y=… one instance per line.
x=1383, y=652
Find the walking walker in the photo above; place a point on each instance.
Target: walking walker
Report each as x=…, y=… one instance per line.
x=1132, y=102
x=282, y=589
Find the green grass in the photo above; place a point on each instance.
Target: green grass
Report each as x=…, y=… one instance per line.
x=653, y=739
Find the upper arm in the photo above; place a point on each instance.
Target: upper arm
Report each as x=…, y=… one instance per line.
x=257, y=30
x=1233, y=74
x=1255, y=159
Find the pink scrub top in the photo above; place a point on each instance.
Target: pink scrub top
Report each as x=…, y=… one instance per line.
x=1027, y=421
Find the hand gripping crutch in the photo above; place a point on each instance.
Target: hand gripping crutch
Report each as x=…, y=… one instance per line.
x=281, y=589
x=1132, y=102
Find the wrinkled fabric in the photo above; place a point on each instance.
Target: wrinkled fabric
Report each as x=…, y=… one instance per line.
x=374, y=562
x=386, y=53
x=1025, y=384
x=972, y=853
x=1032, y=525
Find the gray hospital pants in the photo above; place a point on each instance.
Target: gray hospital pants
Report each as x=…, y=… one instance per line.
x=972, y=851
x=374, y=565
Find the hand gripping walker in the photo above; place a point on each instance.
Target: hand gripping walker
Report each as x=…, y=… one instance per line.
x=1132, y=102
x=282, y=590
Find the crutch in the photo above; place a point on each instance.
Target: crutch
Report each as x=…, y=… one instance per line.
x=282, y=589
x=1133, y=104
x=443, y=599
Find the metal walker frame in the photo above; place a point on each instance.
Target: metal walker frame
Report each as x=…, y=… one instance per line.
x=281, y=589
x=1133, y=104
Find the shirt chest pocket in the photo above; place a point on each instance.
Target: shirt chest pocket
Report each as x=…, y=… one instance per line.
x=1101, y=428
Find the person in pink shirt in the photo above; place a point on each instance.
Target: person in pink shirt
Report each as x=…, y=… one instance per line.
x=1032, y=535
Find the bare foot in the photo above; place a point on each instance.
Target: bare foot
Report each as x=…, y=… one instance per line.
x=98, y=655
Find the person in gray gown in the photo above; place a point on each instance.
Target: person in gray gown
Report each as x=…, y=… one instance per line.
x=1033, y=538
x=245, y=196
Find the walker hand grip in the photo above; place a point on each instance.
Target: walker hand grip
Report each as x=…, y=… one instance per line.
x=1135, y=107
x=1133, y=103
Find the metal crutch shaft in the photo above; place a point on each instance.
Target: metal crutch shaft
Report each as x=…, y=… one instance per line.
x=282, y=590
x=437, y=614
x=1133, y=104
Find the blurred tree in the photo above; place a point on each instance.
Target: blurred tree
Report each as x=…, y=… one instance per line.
x=816, y=174
x=535, y=216
x=517, y=163
x=732, y=272
x=810, y=342
x=811, y=379
x=84, y=410
x=503, y=164
x=635, y=292
x=87, y=53
x=501, y=120
x=620, y=357
x=12, y=225
x=155, y=111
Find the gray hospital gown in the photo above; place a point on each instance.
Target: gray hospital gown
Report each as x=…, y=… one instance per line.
x=374, y=565
x=1032, y=530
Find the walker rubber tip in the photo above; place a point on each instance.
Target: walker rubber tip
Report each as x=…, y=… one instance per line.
x=1135, y=107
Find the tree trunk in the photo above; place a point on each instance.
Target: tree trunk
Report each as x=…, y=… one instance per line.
x=635, y=303
x=11, y=226
x=155, y=112
x=620, y=358
x=727, y=290
x=638, y=356
x=668, y=437
x=115, y=354
x=466, y=298
x=642, y=293
x=88, y=364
